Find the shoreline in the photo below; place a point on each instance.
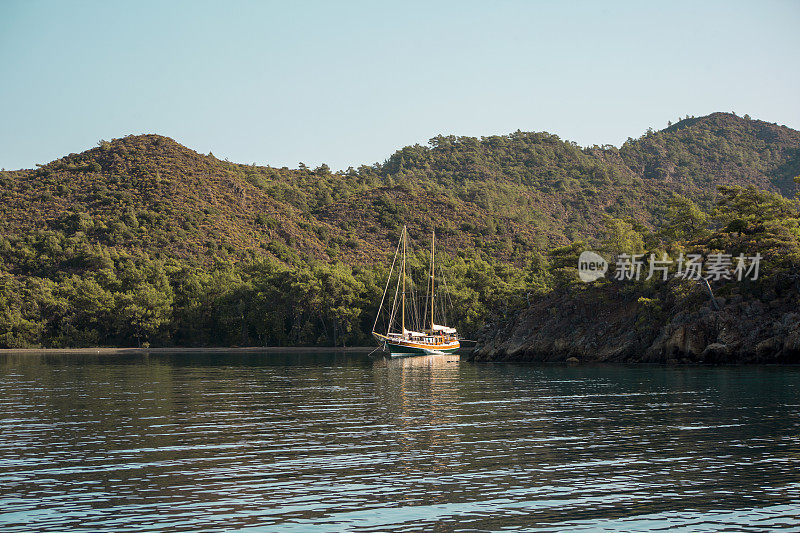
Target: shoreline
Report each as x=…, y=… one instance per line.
x=134, y=351
x=603, y=325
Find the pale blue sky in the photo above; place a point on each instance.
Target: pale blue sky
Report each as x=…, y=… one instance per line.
x=348, y=83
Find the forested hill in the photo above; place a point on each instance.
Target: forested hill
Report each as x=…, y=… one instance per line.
x=141, y=239
x=505, y=195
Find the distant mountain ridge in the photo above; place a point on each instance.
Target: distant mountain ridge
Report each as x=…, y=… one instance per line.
x=504, y=195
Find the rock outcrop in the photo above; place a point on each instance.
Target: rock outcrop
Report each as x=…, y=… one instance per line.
x=604, y=326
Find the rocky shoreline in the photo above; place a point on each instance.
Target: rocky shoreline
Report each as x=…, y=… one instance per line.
x=608, y=327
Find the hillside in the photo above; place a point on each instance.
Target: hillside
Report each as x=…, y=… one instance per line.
x=150, y=193
x=138, y=215
x=505, y=195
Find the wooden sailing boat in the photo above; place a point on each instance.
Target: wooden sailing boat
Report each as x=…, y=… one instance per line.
x=433, y=338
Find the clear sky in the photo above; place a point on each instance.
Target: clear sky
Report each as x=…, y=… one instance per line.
x=348, y=83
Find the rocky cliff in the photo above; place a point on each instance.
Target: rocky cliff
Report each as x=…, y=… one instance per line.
x=605, y=324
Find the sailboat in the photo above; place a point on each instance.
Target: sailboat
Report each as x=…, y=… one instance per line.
x=430, y=337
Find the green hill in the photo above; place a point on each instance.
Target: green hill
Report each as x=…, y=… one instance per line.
x=182, y=248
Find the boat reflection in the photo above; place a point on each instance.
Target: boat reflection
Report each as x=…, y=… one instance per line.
x=420, y=361
x=424, y=396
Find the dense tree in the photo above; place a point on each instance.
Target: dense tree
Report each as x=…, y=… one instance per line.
x=738, y=206
x=620, y=237
x=684, y=220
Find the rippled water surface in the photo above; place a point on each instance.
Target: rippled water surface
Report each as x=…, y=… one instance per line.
x=337, y=442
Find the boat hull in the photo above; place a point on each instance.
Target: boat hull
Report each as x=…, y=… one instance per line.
x=405, y=348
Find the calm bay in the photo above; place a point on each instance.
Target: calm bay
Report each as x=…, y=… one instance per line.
x=338, y=441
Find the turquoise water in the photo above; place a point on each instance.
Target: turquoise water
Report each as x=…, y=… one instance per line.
x=338, y=442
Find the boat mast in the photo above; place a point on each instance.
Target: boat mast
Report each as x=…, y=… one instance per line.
x=385, y=290
x=403, y=307
x=433, y=250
